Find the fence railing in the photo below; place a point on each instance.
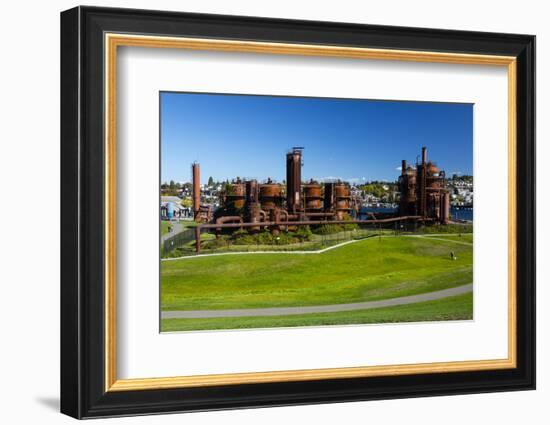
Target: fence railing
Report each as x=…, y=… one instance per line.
x=178, y=240
x=230, y=240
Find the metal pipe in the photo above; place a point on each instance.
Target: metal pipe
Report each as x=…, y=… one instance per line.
x=308, y=222
x=197, y=239
x=223, y=219
x=196, y=189
x=222, y=222
x=319, y=214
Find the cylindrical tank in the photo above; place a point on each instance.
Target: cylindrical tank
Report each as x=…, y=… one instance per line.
x=170, y=210
x=407, y=182
x=411, y=185
x=433, y=179
x=343, y=196
x=235, y=195
x=270, y=196
x=312, y=193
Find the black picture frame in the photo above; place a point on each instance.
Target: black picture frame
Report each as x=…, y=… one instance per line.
x=82, y=218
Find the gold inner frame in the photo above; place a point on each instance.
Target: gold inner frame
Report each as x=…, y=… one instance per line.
x=113, y=41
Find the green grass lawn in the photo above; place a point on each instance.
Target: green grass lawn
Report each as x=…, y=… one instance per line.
x=459, y=307
x=164, y=227
x=464, y=237
x=366, y=270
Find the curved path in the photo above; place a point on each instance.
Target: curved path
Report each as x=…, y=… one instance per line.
x=284, y=311
x=177, y=227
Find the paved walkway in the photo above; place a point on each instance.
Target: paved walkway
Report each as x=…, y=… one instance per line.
x=284, y=311
x=177, y=227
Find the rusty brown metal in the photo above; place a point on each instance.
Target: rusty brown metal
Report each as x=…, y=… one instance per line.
x=252, y=192
x=197, y=240
x=421, y=174
x=433, y=180
x=445, y=208
x=312, y=195
x=423, y=190
x=235, y=195
x=253, y=209
x=294, y=179
x=196, y=171
x=309, y=222
x=280, y=224
x=343, y=196
x=223, y=221
x=329, y=197
x=270, y=195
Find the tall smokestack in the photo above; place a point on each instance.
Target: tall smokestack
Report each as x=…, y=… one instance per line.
x=294, y=178
x=421, y=186
x=196, y=188
x=403, y=167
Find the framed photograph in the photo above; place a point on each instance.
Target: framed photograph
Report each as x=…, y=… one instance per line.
x=261, y=212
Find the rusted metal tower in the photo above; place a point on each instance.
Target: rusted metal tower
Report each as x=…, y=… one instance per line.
x=294, y=179
x=196, y=170
x=421, y=175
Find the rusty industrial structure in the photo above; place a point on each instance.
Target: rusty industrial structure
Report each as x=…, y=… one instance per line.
x=253, y=202
x=423, y=192
x=201, y=213
x=251, y=205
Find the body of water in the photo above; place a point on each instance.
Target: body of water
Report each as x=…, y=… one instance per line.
x=456, y=213
x=462, y=214
x=366, y=210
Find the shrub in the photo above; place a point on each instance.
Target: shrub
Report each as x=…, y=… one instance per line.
x=304, y=233
x=328, y=229
x=242, y=237
x=350, y=226
x=265, y=238
x=448, y=228
x=221, y=242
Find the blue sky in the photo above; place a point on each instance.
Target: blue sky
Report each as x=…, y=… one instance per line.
x=356, y=140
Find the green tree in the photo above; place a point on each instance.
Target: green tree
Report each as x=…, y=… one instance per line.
x=210, y=181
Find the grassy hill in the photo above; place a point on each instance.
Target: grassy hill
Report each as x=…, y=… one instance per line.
x=366, y=270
